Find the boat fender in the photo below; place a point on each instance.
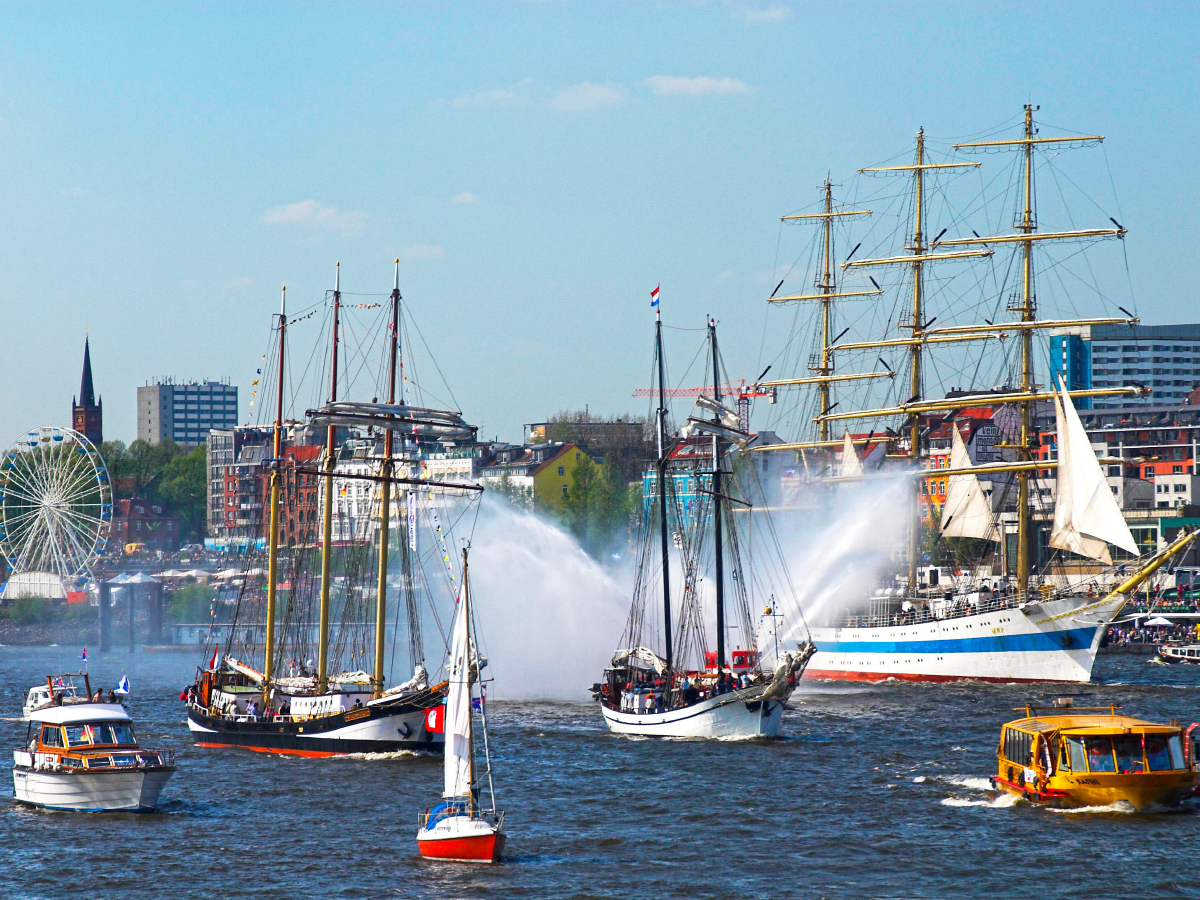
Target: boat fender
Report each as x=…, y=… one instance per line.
x=405, y=730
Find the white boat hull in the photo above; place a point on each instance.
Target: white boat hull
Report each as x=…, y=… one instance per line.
x=1056, y=640
x=116, y=791
x=736, y=715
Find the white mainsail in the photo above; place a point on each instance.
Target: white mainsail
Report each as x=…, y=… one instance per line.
x=1086, y=515
x=458, y=706
x=967, y=512
x=851, y=464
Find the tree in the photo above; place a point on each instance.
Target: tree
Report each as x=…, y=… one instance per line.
x=183, y=484
x=596, y=508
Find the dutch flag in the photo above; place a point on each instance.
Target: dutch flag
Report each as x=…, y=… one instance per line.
x=654, y=297
x=84, y=657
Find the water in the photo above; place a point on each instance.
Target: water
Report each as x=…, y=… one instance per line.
x=876, y=791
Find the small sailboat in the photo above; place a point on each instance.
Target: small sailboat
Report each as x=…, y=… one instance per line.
x=459, y=828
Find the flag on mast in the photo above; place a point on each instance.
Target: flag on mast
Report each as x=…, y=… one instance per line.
x=654, y=297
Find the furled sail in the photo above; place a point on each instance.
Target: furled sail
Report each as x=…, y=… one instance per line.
x=967, y=512
x=851, y=464
x=1086, y=515
x=458, y=707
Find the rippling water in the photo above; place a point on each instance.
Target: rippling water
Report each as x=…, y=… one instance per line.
x=874, y=791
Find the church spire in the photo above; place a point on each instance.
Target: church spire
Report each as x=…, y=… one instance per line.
x=87, y=416
x=86, y=392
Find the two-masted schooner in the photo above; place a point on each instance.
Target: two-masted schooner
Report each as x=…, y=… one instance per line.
x=259, y=688
x=1028, y=625
x=682, y=689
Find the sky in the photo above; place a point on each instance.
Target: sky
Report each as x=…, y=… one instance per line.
x=538, y=167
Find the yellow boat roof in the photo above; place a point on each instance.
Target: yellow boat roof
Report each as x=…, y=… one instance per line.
x=1087, y=723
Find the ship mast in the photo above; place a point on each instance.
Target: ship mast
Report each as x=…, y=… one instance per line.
x=918, y=256
x=385, y=510
x=1027, y=228
x=827, y=286
x=716, y=492
x=327, y=519
x=273, y=538
x=662, y=485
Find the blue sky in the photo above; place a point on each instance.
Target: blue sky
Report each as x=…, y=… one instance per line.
x=538, y=168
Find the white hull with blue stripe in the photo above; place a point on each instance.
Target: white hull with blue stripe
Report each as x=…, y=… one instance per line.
x=1054, y=640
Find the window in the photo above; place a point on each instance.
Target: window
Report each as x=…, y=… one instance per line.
x=52, y=736
x=1158, y=752
x=1078, y=757
x=1180, y=488
x=78, y=735
x=1177, y=470
x=564, y=492
x=562, y=470
x=1099, y=754
x=1129, y=754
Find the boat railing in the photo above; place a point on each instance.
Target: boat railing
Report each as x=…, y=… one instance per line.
x=921, y=616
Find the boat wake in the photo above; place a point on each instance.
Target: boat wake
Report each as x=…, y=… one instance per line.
x=972, y=783
x=1118, y=807
x=1001, y=802
x=377, y=757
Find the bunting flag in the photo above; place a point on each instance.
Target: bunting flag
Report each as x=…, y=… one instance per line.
x=412, y=521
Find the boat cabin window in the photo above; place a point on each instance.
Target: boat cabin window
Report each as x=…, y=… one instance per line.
x=1017, y=746
x=101, y=733
x=1074, y=747
x=1099, y=753
x=1164, y=752
x=52, y=736
x=1130, y=760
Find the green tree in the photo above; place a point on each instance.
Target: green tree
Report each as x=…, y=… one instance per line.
x=190, y=603
x=183, y=484
x=596, y=508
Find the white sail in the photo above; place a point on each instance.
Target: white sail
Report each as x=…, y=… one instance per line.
x=458, y=707
x=1086, y=515
x=851, y=464
x=967, y=512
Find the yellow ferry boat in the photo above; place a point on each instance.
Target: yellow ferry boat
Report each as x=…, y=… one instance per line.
x=1067, y=756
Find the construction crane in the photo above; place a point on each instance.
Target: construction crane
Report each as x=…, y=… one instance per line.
x=741, y=389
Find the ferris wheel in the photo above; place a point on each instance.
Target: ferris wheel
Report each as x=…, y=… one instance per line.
x=55, y=503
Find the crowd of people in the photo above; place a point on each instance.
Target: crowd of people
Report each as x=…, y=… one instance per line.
x=1153, y=634
x=652, y=697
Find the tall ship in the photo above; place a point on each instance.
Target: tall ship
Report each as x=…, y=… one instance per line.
x=1002, y=608
x=297, y=660
x=702, y=533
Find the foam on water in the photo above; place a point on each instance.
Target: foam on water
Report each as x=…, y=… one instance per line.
x=1001, y=802
x=970, y=782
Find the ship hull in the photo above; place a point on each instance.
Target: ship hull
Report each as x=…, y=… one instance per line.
x=371, y=730
x=741, y=714
x=118, y=791
x=462, y=839
x=1051, y=641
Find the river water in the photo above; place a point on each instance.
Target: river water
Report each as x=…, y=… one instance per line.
x=873, y=791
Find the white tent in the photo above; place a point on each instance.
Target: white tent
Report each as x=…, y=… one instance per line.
x=34, y=584
x=1158, y=622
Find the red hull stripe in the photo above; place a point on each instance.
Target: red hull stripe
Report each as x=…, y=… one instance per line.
x=469, y=849
x=838, y=675
x=310, y=754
